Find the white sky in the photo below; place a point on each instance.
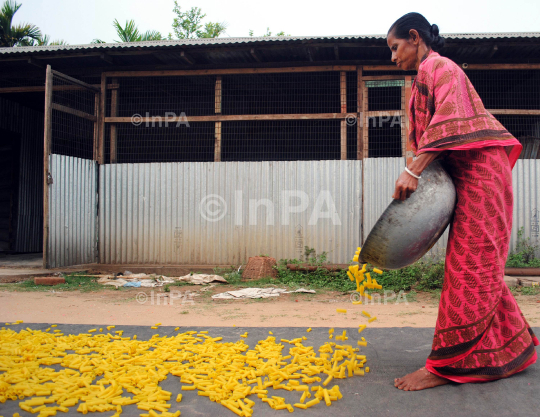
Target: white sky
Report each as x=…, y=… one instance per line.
x=80, y=21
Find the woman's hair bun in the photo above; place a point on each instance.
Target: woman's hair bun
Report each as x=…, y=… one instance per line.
x=428, y=32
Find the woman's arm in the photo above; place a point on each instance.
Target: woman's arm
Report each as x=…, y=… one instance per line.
x=406, y=183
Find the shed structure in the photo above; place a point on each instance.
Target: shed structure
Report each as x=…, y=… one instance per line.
x=210, y=151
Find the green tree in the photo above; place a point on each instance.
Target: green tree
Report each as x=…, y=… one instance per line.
x=42, y=41
x=15, y=35
x=189, y=25
x=268, y=33
x=130, y=33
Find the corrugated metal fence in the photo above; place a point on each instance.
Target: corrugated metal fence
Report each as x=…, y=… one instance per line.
x=225, y=212
x=526, y=184
x=72, y=211
x=380, y=177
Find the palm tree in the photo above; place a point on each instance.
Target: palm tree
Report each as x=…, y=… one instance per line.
x=130, y=33
x=42, y=41
x=15, y=35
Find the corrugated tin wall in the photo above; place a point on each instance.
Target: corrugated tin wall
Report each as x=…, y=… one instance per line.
x=72, y=211
x=380, y=177
x=29, y=124
x=526, y=185
x=206, y=213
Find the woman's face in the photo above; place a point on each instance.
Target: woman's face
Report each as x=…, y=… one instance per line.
x=404, y=51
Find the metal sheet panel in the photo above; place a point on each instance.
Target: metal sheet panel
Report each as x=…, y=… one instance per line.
x=526, y=185
x=72, y=211
x=225, y=212
x=379, y=183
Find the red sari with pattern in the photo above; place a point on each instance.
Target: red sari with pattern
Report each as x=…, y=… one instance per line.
x=481, y=334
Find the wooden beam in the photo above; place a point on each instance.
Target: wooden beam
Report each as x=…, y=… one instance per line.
x=470, y=67
x=516, y=112
x=114, y=113
x=223, y=118
x=107, y=58
x=95, y=147
x=309, y=54
x=40, y=88
x=101, y=120
x=74, y=112
x=336, y=52
x=365, y=126
x=408, y=149
x=359, y=113
x=343, y=91
x=385, y=113
x=217, y=144
x=47, y=140
x=223, y=71
x=187, y=58
x=343, y=140
x=493, y=51
x=217, y=94
x=383, y=77
x=256, y=56
x=75, y=81
x=34, y=62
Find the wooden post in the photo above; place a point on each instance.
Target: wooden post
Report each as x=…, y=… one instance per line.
x=218, y=94
x=96, y=127
x=408, y=149
x=365, y=120
x=217, y=148
x=217, y=109
x=359, y=113
x=343, y=94
x=47, y=140
x=101, y=120
x=114, y=113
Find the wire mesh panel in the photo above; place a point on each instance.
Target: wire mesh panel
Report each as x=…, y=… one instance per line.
x=159, y=96
x=527, y=130
x=385, y=136
x=305, y=92
x=511, y=89
x=72, y=128
x=281, y=140
x=161, y=141
x=385, y=95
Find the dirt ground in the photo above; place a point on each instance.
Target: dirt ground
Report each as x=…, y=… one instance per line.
x=140, y=307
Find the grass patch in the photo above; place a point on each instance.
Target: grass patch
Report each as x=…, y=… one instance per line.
x=77, y=281
x=525, y=290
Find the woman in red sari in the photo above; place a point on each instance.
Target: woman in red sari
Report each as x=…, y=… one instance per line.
x=481, y=334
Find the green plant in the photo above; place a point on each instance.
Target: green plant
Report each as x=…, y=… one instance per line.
x=524, y=255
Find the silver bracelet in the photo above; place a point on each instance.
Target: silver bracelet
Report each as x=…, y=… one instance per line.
x=410, y=173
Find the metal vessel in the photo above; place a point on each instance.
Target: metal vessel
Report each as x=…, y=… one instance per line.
x=408, y=229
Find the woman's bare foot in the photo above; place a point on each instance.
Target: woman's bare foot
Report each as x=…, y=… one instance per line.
x=419, y=380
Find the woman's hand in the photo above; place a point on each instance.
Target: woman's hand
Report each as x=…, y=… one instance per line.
x=405, y=186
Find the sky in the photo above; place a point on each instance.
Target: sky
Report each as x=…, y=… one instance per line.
x=80, y=21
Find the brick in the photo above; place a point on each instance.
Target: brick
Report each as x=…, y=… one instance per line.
x=530, y=281
x=260, y=267
x=49, y=280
